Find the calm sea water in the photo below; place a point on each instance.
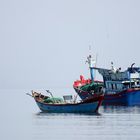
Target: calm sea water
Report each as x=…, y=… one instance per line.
x=20, y=119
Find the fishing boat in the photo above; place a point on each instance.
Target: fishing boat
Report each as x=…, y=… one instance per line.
x=88, y=88
x=58, y=105
x=119, y=87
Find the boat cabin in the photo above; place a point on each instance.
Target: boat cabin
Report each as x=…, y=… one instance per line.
x=116, y=81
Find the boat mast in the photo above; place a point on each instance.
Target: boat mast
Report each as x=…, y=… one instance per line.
x=92, y=63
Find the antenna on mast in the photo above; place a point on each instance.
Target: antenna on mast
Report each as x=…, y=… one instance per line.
x=90, y=52
x=95, y=65
x=92, y=63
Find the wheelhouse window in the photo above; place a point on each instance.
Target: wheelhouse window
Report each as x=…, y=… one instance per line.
x=114, y=86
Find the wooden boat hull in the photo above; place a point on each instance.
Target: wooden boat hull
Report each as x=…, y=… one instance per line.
x=82, y=108
x=88, y=106
x=130, y=97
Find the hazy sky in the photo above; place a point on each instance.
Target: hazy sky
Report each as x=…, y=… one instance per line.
x=44, y=43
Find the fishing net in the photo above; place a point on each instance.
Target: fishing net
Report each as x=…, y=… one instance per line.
x=53, y=100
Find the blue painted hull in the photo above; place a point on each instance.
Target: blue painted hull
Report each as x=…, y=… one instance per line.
x=126, y=98
x=130, y=97
x=90, y=105
x=69, y=108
